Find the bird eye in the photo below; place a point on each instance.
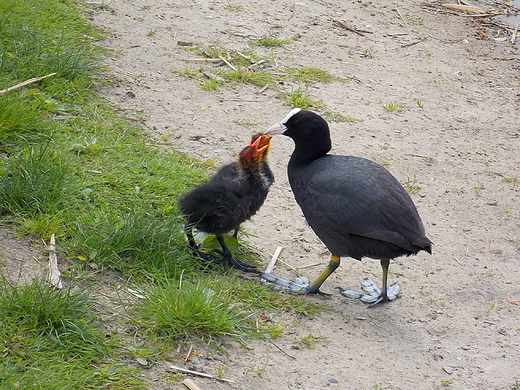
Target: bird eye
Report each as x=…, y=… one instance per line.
x=296, y=121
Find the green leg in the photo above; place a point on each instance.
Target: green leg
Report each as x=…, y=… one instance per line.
x=385, y=263
x=314, y=287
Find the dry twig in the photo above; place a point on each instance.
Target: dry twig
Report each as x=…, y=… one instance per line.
x=351, y=29
x=26, y=82
x=513, y=37
x=227, y=62
x=201, y=374
x=190, y=384
x=413, y=43
x=54, y=272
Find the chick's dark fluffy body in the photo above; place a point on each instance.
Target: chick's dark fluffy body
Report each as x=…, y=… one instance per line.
x=232, y=196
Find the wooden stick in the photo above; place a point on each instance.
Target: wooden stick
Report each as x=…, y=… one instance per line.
x=190, y=384
x=227, y=63
x=54, y=272
x=201, y=374
x=203, y=59
x=188, y=355
x=467, y=8
x=272, y=263
x=348, y=28
x=413, y=43
x=26, y=82
x=513, y=37
x=291, y=267
x=401, y=16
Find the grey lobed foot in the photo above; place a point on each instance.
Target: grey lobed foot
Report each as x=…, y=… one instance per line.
x=373, y=290
x=298, y=284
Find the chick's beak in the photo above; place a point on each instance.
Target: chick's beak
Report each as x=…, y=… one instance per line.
x=278, y=128
x=261, y=143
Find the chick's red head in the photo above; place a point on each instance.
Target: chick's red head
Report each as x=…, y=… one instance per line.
x=258, y=147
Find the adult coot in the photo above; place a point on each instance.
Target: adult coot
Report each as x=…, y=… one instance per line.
x=233, y=195
x=355, y=206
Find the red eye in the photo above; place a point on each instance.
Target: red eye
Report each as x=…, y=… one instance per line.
x=296, y=121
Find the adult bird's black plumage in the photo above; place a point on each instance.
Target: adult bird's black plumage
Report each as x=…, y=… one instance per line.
x=233, y=195
x=354, y=205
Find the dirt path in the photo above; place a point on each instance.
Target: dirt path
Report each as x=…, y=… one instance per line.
x=458, y=322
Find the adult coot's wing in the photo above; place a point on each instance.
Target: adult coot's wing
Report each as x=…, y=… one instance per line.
x=353, y=195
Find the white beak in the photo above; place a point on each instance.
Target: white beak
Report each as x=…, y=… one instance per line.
x=278, y=128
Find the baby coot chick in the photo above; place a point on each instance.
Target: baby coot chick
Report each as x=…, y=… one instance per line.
x=232, y=196
x=354, y=205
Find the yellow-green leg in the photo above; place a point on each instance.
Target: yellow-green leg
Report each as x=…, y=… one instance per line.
x=297, y=288
x=314, y=287
x=383, y=296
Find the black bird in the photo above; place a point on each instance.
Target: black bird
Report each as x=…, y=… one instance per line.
x=233, y=195
x=354, y=205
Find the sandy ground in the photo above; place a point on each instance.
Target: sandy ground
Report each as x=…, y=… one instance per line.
x=458, y=321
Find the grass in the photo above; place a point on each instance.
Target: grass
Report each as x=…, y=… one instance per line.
x=234, y=7
x=513, y=180
x=300, y=98
x=271, y=42
x=337, y=117
x=247, y=67
x=71, y=166
x=39, y=326
x=411, y=186
x=394, y=106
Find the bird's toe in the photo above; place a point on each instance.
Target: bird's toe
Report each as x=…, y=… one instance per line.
x=298, y=286
x=393, y=292
x=352, y=294
x=241, y=265
x=371, y=287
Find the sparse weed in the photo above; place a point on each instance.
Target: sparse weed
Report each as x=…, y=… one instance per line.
x=234, y=7
x=382, y=162
x=420, y=104
x=336, y=117
x=242, y=75
x=309, y=75
x=184, y=310
x=513, y=180
x=493, y=307
x=368, y=53
x=411, y=186
x=300, y=98
x=479, y=187
x=209, y=84
x=271, y=42
x=394, y=106
x=310, y=341
x=446, y=382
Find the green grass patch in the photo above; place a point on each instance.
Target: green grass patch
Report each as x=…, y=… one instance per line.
x=71, y=166
x=411, y=186
x=309, y=75
x=40, y=325
x=208, y=309
x=300, y=98
x=271, y=42
x=394, y=106
x=336, y=117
